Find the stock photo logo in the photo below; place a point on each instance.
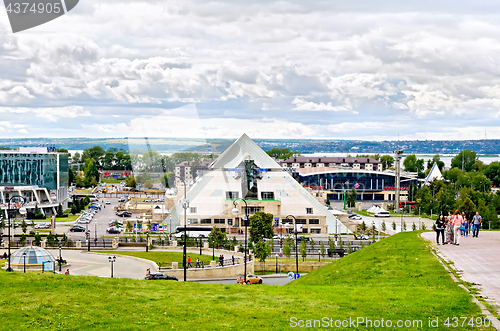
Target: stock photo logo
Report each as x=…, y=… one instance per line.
x=26, y=14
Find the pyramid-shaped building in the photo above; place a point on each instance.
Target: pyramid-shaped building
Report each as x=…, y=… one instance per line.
x=245, y=171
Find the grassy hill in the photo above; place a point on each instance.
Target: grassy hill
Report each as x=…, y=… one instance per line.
x=396, y=279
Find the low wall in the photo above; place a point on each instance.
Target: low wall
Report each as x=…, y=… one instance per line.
x=287, y=266
x=217, y=272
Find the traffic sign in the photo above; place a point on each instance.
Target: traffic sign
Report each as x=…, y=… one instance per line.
x=280, y=255
x=290, y=275
x=296, y=276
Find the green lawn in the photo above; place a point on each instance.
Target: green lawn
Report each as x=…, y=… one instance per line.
x=395, y=279
x=158, y=256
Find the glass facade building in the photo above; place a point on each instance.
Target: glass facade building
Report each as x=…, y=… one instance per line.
x=47, y=170
x=366, y=183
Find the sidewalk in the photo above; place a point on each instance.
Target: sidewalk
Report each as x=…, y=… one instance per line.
x=477, y=260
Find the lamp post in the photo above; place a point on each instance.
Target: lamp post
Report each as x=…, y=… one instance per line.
x=296, y=250
x=185, y=206
x=236, y=212
x=60, y=258
x=112, y=260
x=319, y=255
x=22, y=211
x=24, y=261
x=201, y=242
x=147, y=241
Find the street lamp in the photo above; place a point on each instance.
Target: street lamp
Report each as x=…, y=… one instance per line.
x=112, y=260
x=296, y=251
x=60, y=258
x=22, y=210
x=147, y=241
x=24, y=261
x=236, y=212
x=185, y=206
x=319, y=255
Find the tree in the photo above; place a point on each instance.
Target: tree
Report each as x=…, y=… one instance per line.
x=79, y=181
x=131, y=182
x=331, y=244
x=383, y=226
x=287, y=251
x=413, y=227
x=74, y=209
x=481, y=183
x=492, y=171
x=404, y=226
x=464, y=160
x=351, y=197
x=322, y=249
x=90, y=170
x=387, y=161
x=303, y=248
x=24, y=226
x=393, y=226
x=410, y=163
x=327, y=202
x=312, y=243
x=362, y=226
x=148, y=184
x=281, y=153
x=436, y=159
x=216, y=236
x=59, y=210
x=261, y=251
x=93, y=153
x=261, y=226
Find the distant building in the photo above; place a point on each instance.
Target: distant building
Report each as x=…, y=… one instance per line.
x=190, y=170
x=362, y=163
x=39, y=174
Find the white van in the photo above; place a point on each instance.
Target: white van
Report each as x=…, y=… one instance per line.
x=382, y=213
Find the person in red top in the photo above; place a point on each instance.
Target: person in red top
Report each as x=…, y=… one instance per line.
x=457, y=222
x=189, y=262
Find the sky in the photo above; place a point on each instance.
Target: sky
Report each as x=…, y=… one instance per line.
x=369, y=70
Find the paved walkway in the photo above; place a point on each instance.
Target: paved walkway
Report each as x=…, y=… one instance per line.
x=477, y=259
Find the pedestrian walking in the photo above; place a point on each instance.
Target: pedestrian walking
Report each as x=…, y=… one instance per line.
x=465, y=226
x=457, y=223
x=221, y=260
x=197, y=262
x=189, y=262
x=477, y=219
x=232, y=258
x=449, y=228
x=440, y=229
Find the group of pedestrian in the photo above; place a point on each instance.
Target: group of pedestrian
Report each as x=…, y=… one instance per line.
x=221, y=260
x=455, y=225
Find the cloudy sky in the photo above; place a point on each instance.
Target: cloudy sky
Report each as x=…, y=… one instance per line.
x=340, y=69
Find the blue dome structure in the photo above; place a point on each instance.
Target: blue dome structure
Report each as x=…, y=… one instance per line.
x=35, y=257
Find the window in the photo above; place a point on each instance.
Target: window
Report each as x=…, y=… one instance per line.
x=267, y=195
x=309, y=210
x=223, y=230
x=229, y=221
x=313, y=221
x=192, y=210
x=252, y=209
x=232, y=195
x=206, y=221
x=219, y=221
x=300, y=221
x=304, y=230
x=315, y=230
x=192, y=221
x=285, y=221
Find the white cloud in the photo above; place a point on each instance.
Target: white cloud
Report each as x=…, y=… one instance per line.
x=240, y=62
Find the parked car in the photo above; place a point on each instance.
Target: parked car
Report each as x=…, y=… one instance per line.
x=42, y=226
x=355, y=217
x=382, y=213
x=113, y=230
x=32, y=232
x=124, y=214
x=77, y=228
x=83, y=221
x=361, y=237
x=108, y=202
x=251, y=279
x=159, y=275
x=122, y=200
